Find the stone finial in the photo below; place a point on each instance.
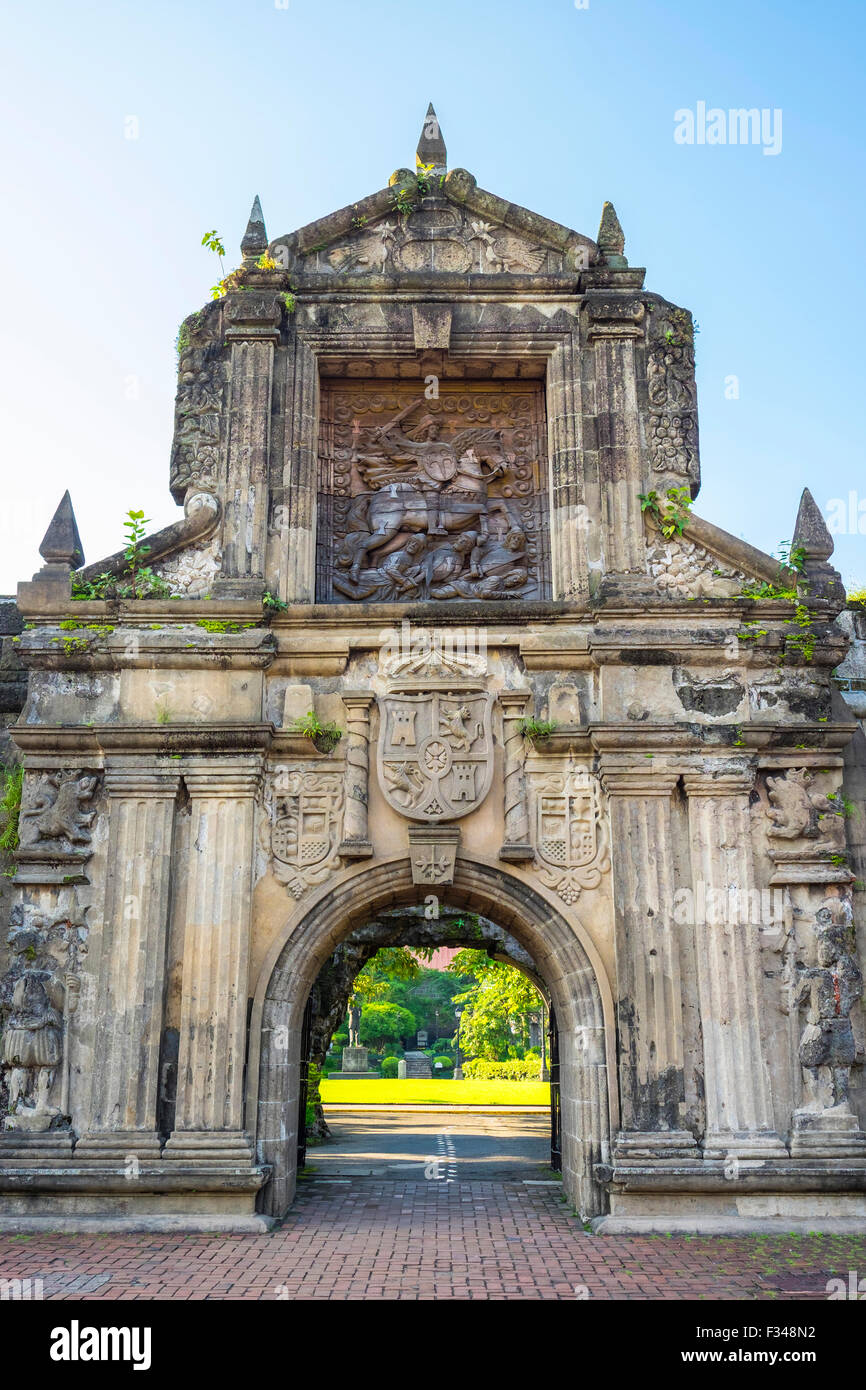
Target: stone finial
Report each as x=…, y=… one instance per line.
x=61, y=544
x=820, y=579
x=255, y=239
x=431, y=146
x=611, y=238
x=810, y=530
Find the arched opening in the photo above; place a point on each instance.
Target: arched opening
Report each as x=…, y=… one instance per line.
x=566, y=962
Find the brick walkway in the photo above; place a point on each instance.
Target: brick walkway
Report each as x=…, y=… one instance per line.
x=372, y=1239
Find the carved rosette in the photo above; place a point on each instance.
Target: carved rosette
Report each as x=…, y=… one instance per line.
x=304, y=810
x=570, y=832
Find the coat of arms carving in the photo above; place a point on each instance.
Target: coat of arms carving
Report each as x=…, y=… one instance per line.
x=435, y=755
x=570, y=833
x=305, y=826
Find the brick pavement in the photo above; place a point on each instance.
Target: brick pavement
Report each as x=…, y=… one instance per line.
x=375, y=1239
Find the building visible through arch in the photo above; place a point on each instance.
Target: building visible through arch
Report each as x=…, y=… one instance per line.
x=439, y=619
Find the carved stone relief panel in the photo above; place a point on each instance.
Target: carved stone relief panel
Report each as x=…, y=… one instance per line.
x=432, y=498
x=304, y=811
x=436, y=237
x=198, y=410
x=569, y=831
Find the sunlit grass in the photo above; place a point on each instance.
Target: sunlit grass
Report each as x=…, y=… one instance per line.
x=386, y=1092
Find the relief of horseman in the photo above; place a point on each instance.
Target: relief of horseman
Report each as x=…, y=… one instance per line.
x=427, y=485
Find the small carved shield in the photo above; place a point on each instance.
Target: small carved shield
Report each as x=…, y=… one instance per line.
x=567, y=824
x=435, y=755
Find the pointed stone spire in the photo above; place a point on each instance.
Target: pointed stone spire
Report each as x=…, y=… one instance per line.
x=820, y=580
x=62, y=552
x=611, y=238
x=61, y=544
x=810, y=530
x=431, y=146
x=255, y=241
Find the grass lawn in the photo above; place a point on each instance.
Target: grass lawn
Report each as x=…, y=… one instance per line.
x=436, y=1092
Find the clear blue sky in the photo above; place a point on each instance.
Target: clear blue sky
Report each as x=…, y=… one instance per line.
x=313, y=105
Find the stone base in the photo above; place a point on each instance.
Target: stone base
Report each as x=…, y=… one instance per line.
x=115, y=1148
x=643, y=1146
x=228, y=1148
x=517, y=854
x=827, y=1133
x=734, y=1214
x=54, y=1146
x=88, y=1196
x=356, y=1061
x=752, y=1143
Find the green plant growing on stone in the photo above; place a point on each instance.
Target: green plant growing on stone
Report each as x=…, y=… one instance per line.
x=857, y=599
x=322, y=736
x=536, y=730
x=403, y=201
x=792, y=559
x=288, y=301
x=424, y=178
x=10, y=808
x=266, y=262
x=673, y=518
x=272, y=603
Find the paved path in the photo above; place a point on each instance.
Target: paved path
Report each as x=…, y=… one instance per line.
x=388, y=1239
x=431, y=1206
x=425, y=1145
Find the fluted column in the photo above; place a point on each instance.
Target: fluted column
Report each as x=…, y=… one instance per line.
x=648, y=974
x=736, y=1080
x=209, y=1113
x=517, y=845
x=125, y=1080
x=356, y=843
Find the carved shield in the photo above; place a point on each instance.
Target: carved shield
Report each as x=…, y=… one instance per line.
x=305, y=825
x=567, y=821
x=435, y=755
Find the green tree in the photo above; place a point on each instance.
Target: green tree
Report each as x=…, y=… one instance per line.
x=383, y=1023
x=497, y=1007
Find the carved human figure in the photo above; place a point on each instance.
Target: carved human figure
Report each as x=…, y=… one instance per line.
x=34, y=995
x=827, y=992
x=354, y=1022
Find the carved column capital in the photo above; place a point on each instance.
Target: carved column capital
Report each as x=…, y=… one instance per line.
x=239, y=779
x=727, y=781
x=124, y=780
x=638, y=781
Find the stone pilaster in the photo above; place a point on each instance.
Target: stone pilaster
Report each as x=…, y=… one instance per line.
x=141, y=806
x=516, y=845
x=356, y=842
x=209, y=1112
x=568, y=510
x=615, y=324
x=252, y=331
x=736, y=1080
x=649, y=980
x=298, y=568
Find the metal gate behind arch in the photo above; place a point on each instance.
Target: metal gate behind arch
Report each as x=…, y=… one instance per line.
x=555, y=1102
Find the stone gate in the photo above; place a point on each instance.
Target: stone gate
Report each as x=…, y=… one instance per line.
x=439, y=623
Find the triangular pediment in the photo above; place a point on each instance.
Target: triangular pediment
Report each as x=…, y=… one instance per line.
x=446, y=226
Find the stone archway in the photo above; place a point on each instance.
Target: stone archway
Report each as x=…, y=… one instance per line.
x=565, y=957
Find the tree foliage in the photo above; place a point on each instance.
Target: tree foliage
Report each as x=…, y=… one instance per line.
x=383, y=1023
x=498, y=1007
